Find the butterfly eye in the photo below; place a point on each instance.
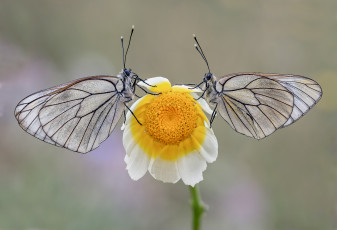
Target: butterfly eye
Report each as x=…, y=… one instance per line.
x=127, y=72
x=208, y=76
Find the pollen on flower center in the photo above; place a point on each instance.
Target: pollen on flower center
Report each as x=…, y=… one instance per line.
x=171, y=117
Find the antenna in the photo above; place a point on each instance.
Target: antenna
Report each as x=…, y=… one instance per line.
x=122, y=40
x=123, y=51
x=201, y=52
x=132, y=29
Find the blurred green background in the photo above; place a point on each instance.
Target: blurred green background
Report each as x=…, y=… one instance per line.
x=287, y=181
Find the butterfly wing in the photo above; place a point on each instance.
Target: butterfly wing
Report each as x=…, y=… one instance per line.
x=252, y=104
x=306, y=93
x=78, y=115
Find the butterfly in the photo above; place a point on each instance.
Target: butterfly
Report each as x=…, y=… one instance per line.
x=257, y=104
x=81, y=114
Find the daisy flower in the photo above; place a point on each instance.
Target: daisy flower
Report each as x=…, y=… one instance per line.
x=174, y=141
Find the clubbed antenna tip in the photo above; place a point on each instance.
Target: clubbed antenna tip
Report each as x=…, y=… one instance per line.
x=200, y=51
x=127, y=49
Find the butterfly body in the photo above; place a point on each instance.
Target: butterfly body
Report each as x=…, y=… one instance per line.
x=126, y=85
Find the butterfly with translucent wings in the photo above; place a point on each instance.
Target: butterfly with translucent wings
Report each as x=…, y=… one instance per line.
x=257, y=104
x=81, y=114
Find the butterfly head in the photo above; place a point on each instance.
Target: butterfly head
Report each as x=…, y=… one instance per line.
x=127, y=72
x=208, y=77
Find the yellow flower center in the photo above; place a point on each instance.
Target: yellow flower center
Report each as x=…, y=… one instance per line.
x=171, y=117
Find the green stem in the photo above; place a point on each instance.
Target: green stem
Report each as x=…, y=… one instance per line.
x=198, y=207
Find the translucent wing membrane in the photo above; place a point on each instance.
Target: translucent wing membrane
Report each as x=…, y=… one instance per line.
x=306, y=93
x=78, y=115
x=26, y=112
x=253, y=104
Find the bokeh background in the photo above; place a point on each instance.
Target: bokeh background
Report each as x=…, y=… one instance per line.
x=287, y=181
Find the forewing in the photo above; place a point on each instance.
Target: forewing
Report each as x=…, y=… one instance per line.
x=78, y=115
x=306, y=93
x=252, y=104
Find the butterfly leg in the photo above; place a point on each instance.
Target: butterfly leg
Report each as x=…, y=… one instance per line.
x=132, y=113
x=213, y=115
x=124, y=117
x=198, y=85
x=203, y=93
x=190, y=84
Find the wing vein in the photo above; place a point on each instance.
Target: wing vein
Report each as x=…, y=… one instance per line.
x=95, y=126
x=292, y=86
x=93, y=143
x=71, y=131
x=60, y=113
x=230, y=119
x=239, y=116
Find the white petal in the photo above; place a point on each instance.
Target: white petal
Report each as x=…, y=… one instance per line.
x=204, y=105
x=137, y=163
x=166, y=171
x=128, y=142
x=209, y=148
x=126, y=159
x=189, y=88
x=191, y=167
x=153, y=81
x=202, y=102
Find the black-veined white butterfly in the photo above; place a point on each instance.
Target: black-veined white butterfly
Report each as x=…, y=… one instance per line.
x=81, y=114
x=257, y=104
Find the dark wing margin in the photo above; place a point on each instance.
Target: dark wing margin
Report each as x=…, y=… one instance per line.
x=253, y=105
x=77, y=115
